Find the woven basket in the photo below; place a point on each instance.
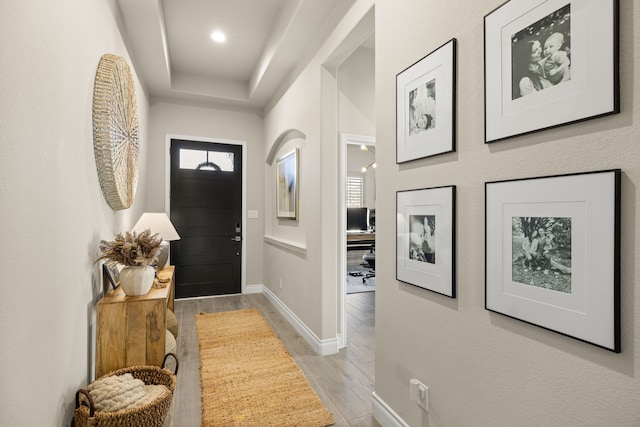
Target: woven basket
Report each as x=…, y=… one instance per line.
x=152, y=414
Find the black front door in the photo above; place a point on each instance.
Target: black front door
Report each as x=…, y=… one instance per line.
x=206, y=209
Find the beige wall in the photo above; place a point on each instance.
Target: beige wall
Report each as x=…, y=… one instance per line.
x=310, y=106
x=483, y=368
x=356, y=112
x=201, y=123
x=52, y=212
x=301, y=275
x=357, y=97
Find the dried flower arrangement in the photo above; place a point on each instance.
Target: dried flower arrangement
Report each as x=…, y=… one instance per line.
x=130, y=248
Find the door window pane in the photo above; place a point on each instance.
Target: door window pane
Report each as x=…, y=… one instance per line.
x=206, y=160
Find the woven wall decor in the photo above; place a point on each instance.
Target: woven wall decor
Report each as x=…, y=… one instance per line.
x=115, y=131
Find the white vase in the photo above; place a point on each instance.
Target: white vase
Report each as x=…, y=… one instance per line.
x=137, y=280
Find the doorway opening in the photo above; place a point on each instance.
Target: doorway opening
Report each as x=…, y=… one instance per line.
x=357, y=254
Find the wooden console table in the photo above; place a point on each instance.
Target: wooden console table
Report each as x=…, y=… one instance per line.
x=131, y=330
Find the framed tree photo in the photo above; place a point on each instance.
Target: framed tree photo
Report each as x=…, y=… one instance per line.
x=425, y=246
x=553, y=253
x=549, y=63
x=426, y=105
x=287, y=185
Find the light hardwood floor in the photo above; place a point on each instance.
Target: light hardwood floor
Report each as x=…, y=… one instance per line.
x=343, y=381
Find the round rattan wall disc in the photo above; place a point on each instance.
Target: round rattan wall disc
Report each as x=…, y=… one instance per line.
x=115, y=131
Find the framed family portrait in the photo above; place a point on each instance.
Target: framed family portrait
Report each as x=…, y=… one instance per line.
x=287, y=185
x=110, y=269
x=426, y=105
x=549, y=63
x=553, y=253
x=425, y=246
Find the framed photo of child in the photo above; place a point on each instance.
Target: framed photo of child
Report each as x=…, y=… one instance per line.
x=426, y=105
x=541, y=67
x=425, y=246
x=553, y=253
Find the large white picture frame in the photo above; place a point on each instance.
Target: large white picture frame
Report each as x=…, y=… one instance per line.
x=549, y=63
x=426, y=105
x=425, y=245
x=553, y=253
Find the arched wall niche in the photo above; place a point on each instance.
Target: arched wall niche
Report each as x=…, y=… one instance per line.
x=282, y=139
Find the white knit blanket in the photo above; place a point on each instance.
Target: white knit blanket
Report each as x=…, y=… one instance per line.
x=122, y=392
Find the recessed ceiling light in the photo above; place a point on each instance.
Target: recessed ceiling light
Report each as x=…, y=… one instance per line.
x=218, y=37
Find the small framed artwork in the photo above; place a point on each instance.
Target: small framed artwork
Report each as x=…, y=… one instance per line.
x=553, y=253
x=426, y=105
x=111, y=271
x=287, y=185
x=541, y=68
x=425, y=246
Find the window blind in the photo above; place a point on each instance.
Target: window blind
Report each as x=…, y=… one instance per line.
x=355, y=191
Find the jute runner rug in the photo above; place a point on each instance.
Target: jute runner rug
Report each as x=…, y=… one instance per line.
x=249, y=379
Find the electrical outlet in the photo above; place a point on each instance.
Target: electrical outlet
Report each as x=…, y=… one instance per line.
x=420, y=393
x=423, y=397
x=280, y=283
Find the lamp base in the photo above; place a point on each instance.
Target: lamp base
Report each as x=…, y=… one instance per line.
x=163, y=257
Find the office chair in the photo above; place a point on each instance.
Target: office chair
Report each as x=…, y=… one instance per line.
x=370, y=259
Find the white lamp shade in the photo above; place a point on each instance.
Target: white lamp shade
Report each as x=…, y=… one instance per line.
x=157, y=223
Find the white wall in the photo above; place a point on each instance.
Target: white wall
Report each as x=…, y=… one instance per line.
x=301, y=276
x=483, y=368
x=310, y=279
x=357, y=97
x=356, y=112
x=52, y=212
x=201, y=123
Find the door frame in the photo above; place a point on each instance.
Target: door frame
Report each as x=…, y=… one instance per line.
x=345, y=139
x=167, y=192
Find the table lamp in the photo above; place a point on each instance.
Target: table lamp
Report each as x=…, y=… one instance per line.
x=158, y=222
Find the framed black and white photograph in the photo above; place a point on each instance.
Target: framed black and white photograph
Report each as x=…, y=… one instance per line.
x=549, y=63
x=426, y=105
x=287, y=185
x=553, y=253
x=425, y=246
x=111, y=271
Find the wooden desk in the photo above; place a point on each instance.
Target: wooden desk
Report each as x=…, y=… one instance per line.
x=131, y=330
x=360, y=240
x=357, y=237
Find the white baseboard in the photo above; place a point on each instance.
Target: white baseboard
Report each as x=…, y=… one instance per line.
x=322, y=347
x=253, y=289
x=384, y=414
